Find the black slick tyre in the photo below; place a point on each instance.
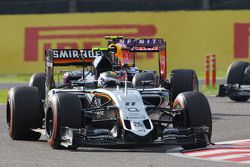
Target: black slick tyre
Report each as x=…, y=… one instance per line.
x=183, y=80
x=23, y=113
x=197, y=113
x=38, y=80
x=235, y=75
x=64, y=110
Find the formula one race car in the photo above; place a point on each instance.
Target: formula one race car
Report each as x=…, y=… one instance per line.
x=89, y=112
x=237, y=86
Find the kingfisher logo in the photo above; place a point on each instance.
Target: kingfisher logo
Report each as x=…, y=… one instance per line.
x=37, y=39
x=241, y=40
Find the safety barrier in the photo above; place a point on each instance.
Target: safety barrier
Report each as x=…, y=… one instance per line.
x=22, y=47
x=210, y=66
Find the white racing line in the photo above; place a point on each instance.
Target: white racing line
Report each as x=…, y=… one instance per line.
x=237, y=151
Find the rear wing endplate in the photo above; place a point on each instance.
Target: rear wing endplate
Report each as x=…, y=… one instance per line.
x=67, y=57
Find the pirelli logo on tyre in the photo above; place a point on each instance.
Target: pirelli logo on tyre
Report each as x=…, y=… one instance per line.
x=37, y=39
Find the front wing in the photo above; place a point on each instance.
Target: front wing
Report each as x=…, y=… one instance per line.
x=103, y=137
x=234, y=90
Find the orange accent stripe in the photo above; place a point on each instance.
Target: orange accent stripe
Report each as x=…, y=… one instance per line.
x=107, y=96
x=104, y=95
x=62, y=61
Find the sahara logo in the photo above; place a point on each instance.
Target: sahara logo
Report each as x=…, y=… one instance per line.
x=78, y=37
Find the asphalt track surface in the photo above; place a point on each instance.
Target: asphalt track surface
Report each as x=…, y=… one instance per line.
x=231, y=121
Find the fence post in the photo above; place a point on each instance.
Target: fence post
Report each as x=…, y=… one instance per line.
x=210, y=64
x=213, y=68
x=207, y=70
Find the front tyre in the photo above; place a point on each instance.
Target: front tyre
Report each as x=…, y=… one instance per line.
x=64, y=110
x=197, y=113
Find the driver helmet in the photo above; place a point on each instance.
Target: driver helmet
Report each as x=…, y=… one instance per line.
x=108, y=78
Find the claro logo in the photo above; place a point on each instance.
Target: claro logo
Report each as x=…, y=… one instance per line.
x=241, y=40
x=76, y=37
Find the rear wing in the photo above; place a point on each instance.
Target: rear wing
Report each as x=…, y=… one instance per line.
x=64, y=57
x=145, y=44
x=131, y=45
x=68, y=57
x=148, y=45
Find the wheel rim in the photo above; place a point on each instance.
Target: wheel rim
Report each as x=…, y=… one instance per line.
x=49, y=123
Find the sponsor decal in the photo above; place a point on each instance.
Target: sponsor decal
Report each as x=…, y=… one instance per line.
x=24, y=46
x=138, y=124
x=133, y=109
x=149, y=42
x=76, y=54
x=125, y=42
x=130, y=104
x=135, y=117
x=99, y=114
x=143, y=42
x=78, y=37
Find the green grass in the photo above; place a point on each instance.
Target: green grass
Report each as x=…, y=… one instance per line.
x=17, y=78
x=219, y=74
x=3, y=95
x=209, y=91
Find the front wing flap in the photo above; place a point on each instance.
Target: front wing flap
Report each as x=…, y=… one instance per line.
x=170, y=136
x=234, y=90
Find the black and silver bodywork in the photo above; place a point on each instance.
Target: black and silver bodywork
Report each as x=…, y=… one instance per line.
x=120, y=116
x=124, y=115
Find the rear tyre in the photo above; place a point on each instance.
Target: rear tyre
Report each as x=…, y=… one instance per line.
x=235, y=75
x=64, y=110
x=38, y=80
x=23, y=113
x=197, y=113
x=183, y=80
